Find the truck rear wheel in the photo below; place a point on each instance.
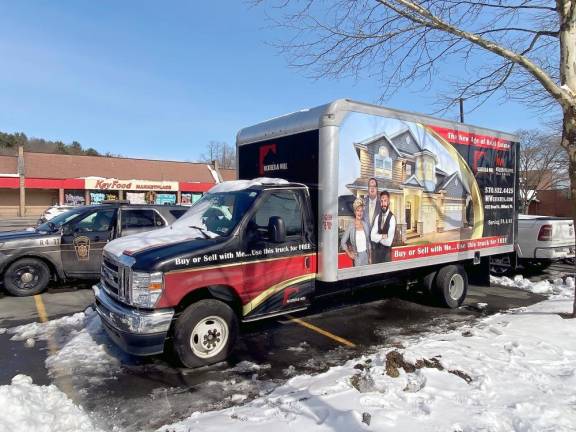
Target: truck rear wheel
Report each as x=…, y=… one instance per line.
x=205, y=333
x=451, y=286
x=26, y=277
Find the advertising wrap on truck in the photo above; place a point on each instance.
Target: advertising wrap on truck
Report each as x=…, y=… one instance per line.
x=422, y=190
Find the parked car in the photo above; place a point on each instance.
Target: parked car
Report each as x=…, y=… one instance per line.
x=541, y=241
x=69, y=246
x=52, y=212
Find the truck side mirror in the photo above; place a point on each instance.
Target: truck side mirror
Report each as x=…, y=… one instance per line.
x=276, y=229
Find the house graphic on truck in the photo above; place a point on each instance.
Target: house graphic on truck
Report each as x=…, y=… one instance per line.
x=425, y=198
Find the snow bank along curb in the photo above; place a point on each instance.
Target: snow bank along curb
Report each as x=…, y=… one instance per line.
x=514, y=371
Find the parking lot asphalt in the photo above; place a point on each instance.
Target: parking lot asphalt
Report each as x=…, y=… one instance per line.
x=269, y=352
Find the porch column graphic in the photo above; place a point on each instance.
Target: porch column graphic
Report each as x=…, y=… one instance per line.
x=21, y=183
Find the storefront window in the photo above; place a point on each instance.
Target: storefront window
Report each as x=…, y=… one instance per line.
x=74, y=197
x=165, y=198
x=189, y=198
x=98, y=197
x=136, y=197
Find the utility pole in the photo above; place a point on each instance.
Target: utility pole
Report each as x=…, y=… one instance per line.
x=461, y=110
x=21, y=182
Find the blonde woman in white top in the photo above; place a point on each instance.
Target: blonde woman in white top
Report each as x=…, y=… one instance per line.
x=356, y=239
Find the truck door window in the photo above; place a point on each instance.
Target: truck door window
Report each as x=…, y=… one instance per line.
x=283, y=204
x=98, y=221
x=141, y=218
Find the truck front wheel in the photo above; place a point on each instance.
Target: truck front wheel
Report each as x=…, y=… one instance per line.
x=205, y=333
x=26, y=277
x=451, y=285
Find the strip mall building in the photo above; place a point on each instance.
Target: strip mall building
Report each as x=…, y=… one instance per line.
x=31, y=182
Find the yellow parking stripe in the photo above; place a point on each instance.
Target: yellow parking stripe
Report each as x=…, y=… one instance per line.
x=40, y=308
x=322, y=332
x=63, y=383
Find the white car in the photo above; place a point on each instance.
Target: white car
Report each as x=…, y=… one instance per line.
x=541, y=241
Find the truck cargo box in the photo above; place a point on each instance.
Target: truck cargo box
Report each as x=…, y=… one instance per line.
x=451, y=186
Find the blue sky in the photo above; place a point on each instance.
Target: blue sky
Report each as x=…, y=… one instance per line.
x=162, y=79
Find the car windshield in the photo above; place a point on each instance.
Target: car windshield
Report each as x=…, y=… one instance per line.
x=57, y=221
x=217, y=214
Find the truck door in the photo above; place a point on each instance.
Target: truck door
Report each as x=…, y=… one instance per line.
x=83, y=240
x=283, y=276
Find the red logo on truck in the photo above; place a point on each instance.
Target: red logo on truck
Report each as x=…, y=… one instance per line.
x=264, y=150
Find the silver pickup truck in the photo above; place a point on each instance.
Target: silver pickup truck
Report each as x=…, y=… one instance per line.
x=541, y=241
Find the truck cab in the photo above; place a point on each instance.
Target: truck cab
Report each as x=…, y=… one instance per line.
x=246, y=250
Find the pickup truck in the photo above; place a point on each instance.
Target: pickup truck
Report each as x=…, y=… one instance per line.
x=431, y=200
x=69, y=246
x=541, y=241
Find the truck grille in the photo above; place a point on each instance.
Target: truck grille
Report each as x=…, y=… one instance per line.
x=115, y=278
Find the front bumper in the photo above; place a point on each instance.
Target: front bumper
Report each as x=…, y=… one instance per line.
x=138, y=332
x=554, y=253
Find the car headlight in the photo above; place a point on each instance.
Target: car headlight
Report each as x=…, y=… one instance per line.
x=146, y=288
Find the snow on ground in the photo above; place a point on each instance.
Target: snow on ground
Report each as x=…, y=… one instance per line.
x=78, y=346
x=29, y=407
x=511, y=371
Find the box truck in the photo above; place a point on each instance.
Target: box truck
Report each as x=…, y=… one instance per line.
x=328, y=199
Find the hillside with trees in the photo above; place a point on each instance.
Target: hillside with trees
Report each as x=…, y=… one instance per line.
x=9, y=146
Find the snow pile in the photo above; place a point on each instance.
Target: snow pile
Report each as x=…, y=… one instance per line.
x=79, y=348
x=29, y=407
x=236, y=185
x=558, y=288
x=514, y=371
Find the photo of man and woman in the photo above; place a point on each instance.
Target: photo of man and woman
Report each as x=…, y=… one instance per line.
x=398, y=186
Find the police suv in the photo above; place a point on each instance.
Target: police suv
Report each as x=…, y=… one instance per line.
x=69, y=246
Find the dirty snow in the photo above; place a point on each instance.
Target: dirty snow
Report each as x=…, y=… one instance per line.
x=510, y=371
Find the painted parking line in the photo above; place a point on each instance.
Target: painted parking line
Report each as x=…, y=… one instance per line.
x=40, y=308
x=321, y=331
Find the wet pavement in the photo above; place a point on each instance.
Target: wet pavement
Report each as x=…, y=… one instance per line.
x=145, y=393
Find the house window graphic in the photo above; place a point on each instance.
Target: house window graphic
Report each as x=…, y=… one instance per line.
x=382, y=163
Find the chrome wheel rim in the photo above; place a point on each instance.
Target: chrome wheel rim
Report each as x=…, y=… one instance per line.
x=456, y=287
x=209, y=337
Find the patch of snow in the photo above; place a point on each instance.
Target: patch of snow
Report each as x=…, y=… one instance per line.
x=236, y=185
x=559, y=288
x=80, y=350
x=29, y=407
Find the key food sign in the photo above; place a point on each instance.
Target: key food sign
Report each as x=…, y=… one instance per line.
x=131, y=185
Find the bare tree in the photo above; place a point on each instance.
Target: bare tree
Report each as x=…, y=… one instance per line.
x=221, y=152
x=516, y=49
x=543, y=165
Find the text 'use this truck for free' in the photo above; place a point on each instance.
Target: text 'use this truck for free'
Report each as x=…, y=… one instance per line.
x=367, y=194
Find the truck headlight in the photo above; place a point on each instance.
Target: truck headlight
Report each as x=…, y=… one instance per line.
x=146, y=288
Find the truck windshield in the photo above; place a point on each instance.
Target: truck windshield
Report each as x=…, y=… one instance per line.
x=57, y=221
x=217, y=214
